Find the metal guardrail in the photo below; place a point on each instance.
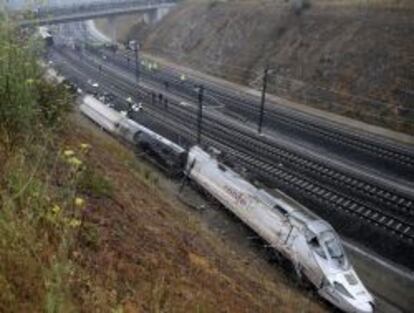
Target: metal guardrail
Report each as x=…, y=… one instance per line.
x=54, y=14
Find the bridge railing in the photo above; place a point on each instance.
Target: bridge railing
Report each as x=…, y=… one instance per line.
x=44, y=12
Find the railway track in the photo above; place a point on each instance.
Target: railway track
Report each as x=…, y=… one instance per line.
x=392, y=157
x=396, y=159
x=296, y=173
x=400, y=205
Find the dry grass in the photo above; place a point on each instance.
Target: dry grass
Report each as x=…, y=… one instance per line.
x=41, y=212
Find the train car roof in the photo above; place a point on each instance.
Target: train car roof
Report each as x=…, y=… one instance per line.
x=274, y=198
x=296, y=209
x=117, y=117
x=158, y=137
x=109, y=113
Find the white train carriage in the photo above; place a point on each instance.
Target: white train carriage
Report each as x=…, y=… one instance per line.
x=309, y=242
x=102, y=115
x=111, y=120
x=166, y=152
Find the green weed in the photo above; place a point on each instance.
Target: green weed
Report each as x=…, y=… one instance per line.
x=94, y=183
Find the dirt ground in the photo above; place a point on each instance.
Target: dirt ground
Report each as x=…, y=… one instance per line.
x=346, y=57
x=151, y=253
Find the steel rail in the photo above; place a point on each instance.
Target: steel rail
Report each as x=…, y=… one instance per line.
x=226, y=136
x=333, y=133
x=368, y=191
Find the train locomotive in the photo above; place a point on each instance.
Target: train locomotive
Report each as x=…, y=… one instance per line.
x=310, y=243
x=304, y=239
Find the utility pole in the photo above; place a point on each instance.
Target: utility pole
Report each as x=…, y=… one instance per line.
x=200, y=112
x=136, y=61
x=262, y=103
x=153, y=98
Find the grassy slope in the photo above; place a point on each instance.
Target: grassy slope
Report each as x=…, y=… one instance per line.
x=135, y=249
x=152, y=255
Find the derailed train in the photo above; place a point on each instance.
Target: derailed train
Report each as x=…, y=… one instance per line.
x=169, y=155
x=309, y=242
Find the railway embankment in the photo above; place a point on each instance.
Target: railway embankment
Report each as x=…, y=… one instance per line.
x=344, y=57
x=86, y=227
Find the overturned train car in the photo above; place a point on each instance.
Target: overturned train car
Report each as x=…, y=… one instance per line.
x=310, y=243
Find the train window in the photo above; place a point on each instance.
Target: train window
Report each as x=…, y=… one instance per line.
x=316, y=246
x=334, y=249
x=280, y=209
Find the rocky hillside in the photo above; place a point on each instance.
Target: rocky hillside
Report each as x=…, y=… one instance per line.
x=347, y=57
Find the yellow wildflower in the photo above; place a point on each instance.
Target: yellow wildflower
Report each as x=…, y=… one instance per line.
x=79, y=202
x=56, y=209
x=74, y=223
x=85, y=146
x=68, y=153
x=75, y=161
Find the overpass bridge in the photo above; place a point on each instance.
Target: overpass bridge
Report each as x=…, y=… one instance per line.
x=64, y=14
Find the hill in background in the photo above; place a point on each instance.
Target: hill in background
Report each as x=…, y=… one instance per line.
x=350, y=57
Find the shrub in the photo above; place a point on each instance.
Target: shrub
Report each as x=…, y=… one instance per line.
x=28, y=104
x=18, y=72
x=54, y=103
